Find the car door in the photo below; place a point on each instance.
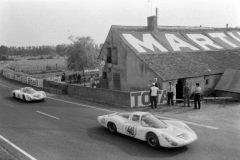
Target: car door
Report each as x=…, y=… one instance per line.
x=131, y=126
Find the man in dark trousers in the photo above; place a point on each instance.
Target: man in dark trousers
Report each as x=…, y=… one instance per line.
x=197, y=94
x=186, y=94
x=170, y=93
x=153, y=95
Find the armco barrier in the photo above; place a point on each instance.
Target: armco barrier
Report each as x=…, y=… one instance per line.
x=55, y=87
x=118, y=98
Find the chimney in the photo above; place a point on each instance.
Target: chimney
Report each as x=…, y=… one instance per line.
x=152, y=23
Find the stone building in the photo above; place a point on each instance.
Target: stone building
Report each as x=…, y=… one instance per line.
x=135, y=55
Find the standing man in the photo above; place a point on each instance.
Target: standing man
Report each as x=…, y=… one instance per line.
x=157, y=84
x=186, y=94
x=153, y=95
x=170, y=93
x=197, y=94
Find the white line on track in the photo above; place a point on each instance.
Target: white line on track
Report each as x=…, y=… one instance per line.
x=79, y=104
x=88, y=106
x=19, y=149
x=196, y=124
x=5, y=65
x=47, y=115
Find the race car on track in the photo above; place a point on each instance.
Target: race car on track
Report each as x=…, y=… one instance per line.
x=29, y=94
x=149, y=128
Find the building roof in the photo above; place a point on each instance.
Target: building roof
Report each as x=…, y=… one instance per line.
x=184, y=64
x=187, y=65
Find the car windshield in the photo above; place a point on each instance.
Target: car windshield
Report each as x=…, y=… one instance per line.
x=28, y=90
x=148, y=120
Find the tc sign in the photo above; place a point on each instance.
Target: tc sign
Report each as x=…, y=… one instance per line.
x=141, y=98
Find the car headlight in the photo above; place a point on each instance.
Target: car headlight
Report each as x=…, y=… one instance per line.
x=169, y=140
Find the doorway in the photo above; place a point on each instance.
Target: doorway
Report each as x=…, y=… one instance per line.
x=179, y=88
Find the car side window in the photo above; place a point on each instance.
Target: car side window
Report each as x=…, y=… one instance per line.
x=135, y=118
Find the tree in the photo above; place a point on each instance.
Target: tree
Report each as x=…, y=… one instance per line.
x=82, y=53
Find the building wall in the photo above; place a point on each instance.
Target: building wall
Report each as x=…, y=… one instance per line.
x=134, y=74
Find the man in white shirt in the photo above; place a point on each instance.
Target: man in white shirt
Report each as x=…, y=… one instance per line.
x=170, y=93
x=153, y=95
x=197, y=94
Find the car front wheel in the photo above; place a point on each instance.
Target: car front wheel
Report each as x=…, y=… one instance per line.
x=112, y=127
x=14, y=95
x=152, y=140
x=24, y=98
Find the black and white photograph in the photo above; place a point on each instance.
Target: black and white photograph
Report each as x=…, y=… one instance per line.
x=119, y=79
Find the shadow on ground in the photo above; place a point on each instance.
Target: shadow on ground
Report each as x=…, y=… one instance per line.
x=132, y=146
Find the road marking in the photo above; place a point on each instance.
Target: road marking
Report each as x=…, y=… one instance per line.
x=196, y=124
x=84, y=105
x=47, y=115
x=19, y=149
x=5, y=85
x=88, y=106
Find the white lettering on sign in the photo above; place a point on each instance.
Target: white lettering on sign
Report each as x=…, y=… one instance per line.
x=141, y=98
x=203, y=41
x=148, y=42
x=176, y=43
x=222, y=37
x=233, y=36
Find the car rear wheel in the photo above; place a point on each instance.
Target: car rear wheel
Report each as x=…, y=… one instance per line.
x=112, y=127
x=14, y=95
x=152, y=140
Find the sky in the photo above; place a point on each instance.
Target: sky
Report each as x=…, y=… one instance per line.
x=51, y=22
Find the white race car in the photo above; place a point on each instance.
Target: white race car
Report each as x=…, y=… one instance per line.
x=29, y=94
x=149, y=128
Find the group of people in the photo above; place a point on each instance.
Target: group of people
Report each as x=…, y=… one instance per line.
x=73, y=78
x=171, y=91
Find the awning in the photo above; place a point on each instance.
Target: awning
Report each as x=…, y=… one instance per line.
x=230, y=81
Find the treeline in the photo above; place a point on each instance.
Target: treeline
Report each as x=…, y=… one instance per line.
x=36, y=50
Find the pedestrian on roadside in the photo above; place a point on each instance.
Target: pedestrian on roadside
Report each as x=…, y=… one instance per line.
x=79, y=78
x=153, y=95
x=63, y=77
x=91, y=81
x=170, y=93
x=70, y=78
x=186, y=95
x=157, y=83
x=197, y=93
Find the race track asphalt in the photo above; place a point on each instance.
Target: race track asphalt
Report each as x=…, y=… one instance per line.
x=59, y=130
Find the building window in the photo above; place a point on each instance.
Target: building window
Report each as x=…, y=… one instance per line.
x=112, y=55
x=109, y=55
x=206, y=81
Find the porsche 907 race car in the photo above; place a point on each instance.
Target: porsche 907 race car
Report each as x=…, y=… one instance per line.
x=149, y=128
x=29, y=94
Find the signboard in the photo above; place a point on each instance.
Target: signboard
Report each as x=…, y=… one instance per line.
x=166, y=42
x=32, y=81
x=17, y=77
x=141, y=98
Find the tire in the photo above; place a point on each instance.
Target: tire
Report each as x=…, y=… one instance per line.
x=14, y=95
x=24, y=98
x=112, y=127
x=152, y=140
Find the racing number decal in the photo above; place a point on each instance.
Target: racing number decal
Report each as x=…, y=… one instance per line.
x=131, y=130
